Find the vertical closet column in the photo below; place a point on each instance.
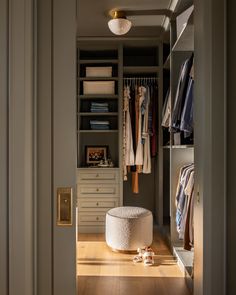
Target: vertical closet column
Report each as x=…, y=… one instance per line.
x=98, y=132
x=178, y=121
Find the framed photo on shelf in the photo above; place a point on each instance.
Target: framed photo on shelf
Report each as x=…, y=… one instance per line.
x=95, y=154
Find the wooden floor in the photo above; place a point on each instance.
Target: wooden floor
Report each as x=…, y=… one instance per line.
x=103, y=272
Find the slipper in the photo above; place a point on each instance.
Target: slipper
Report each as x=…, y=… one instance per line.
x=139, y=257
x=148, y=257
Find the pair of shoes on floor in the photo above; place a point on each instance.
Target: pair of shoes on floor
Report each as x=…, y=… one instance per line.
x=145, y=255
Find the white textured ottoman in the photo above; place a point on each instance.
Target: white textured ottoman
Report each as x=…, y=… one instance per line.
x=129, y=228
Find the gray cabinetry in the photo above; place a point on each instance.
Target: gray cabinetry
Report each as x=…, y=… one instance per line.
x=98, y=190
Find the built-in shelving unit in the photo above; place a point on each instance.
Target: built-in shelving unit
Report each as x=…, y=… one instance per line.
x=128, y=59
x=177, y=151
x=98, y=126
x=89, y=134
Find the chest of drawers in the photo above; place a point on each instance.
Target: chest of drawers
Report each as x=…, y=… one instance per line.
x=97, y=192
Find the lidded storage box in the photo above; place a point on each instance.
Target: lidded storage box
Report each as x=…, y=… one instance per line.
x=99, y=72
x=99, y=87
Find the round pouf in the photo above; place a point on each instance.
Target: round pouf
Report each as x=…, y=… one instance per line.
x=129, y=228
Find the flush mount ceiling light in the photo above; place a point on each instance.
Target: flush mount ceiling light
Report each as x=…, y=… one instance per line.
x=119, y=25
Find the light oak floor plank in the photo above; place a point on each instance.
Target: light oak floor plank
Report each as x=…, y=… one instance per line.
x=101, y=271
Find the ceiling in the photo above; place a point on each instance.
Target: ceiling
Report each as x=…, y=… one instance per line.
x=93, y=17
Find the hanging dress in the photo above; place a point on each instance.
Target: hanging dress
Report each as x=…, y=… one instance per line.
x=128, y=152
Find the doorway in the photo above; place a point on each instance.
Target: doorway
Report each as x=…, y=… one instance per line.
x=57, y=242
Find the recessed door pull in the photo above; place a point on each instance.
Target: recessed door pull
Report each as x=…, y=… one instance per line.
x=64, y=206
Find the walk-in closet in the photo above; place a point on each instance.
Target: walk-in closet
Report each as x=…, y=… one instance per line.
x=138, y=152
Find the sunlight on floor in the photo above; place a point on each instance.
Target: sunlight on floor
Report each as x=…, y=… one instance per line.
x=96, y=259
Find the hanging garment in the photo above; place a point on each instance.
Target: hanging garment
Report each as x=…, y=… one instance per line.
x=166, y=119
x=186, y=123
x=186, y=203
x=145, y=132
x=182, y=199
x=135, y=169
x=139, y=129
x=188, y=232
x=181, y=93
x=128, y=152
x=153, y=121
x=139, y=151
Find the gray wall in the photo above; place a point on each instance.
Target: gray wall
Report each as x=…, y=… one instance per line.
x=44, y=138
x=231, y=148
x=210, y=196
x=17, y=153
x=3, y=148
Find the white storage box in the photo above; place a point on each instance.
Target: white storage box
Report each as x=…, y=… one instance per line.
x=98, y=71
x=99, y=87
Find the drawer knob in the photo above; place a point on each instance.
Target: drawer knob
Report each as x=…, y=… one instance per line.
x=97, y=218
x=97, y=204
x=97, y=189
x=97, y=175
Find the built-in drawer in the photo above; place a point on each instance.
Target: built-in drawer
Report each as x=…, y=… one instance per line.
x=96, y=205
x=98, y=176
x=97, y=190
x=92, y=218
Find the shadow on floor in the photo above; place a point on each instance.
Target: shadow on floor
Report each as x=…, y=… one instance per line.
x=99, y=285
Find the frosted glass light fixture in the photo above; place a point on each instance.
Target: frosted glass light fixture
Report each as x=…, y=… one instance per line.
x=119, y=25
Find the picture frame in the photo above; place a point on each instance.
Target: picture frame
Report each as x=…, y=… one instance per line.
x=95, y=154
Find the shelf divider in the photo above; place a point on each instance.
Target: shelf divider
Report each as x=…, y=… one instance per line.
x=98, y=131
x=98, y=61
x=98, y=96
x=98, y=114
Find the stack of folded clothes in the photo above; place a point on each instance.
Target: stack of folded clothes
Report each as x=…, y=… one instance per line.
x=99, y=125
x=99, y=107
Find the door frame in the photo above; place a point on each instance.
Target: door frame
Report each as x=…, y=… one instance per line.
x=210, y=148
x=210, y=18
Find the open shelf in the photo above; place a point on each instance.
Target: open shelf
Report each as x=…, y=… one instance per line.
x=98, y=79
x=98, y=61
x=185, y=42
x=98, y=114
x=140, y=69
x=98, y=131
x=182, y=146
x=96, y=167
x=99, y=96
x=185, y=262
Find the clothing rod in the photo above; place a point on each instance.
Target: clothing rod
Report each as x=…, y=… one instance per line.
x=140, y=78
